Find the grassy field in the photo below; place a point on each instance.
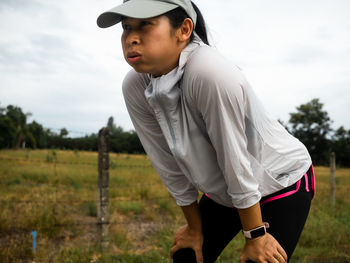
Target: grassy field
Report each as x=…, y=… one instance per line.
x=55, y=192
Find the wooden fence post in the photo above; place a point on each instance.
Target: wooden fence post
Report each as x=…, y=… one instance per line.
x=103, y=182
x=332, y=179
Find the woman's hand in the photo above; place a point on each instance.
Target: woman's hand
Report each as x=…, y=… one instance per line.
x=264, y=249
x=188, y=238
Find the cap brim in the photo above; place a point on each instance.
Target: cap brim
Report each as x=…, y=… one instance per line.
x=134, y=9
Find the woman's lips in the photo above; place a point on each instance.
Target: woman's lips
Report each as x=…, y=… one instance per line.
x=133, y=57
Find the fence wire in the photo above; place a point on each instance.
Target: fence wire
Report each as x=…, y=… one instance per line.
x=55, y=200
x=72, y=163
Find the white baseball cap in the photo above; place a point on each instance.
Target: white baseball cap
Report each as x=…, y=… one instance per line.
x=144, y=9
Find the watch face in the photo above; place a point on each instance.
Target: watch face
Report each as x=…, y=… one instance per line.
x=258, y=232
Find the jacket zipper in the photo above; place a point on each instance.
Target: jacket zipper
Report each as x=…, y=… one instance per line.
x=172, y=134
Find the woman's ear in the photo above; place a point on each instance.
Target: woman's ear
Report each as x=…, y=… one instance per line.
x=185, y=30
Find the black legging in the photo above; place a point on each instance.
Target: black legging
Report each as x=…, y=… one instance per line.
x=286, y=217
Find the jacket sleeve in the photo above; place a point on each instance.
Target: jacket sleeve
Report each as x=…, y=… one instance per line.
x=218, y=95
x=153, y=140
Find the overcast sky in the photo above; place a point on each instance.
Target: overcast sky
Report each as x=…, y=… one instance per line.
x=58, y=65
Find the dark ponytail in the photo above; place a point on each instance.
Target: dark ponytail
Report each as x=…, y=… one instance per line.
x=178, y=15
x=200, y=28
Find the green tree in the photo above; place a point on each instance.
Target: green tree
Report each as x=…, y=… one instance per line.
x=14, y=128
x=7, y=130
x=113, y=129
x=39, y=136
x=341, y=146
x=63, y=132
x=312, y=126
x=19, y=120
x=123, y=141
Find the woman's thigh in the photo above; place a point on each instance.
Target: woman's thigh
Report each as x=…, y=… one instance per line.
x=287, y=217
x=220, y=225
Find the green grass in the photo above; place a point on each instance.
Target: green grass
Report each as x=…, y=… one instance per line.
x=131, y=208
x=55, y=193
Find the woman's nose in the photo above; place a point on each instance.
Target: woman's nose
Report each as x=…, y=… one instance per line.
x=133, y=39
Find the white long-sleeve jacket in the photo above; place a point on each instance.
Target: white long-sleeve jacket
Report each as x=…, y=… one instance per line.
x=204, y=129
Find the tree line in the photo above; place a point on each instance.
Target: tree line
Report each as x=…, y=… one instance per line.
x=310, y=123
x=16, y=132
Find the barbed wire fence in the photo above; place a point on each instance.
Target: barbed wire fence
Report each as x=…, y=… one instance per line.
x=102, y=200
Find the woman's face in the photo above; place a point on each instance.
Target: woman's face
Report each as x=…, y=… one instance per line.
x=150, y=45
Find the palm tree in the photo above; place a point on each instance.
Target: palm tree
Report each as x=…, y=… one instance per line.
x=19, y=120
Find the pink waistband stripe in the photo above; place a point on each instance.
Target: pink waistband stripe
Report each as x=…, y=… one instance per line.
x=297, y=188
x=313, y=188
x=313, y=183
x=306, y=183
x=282, y=195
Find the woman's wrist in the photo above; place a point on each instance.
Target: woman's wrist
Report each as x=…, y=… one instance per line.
x=251, y=217
x=194, y=227
x=194, y=230
x=192, y=215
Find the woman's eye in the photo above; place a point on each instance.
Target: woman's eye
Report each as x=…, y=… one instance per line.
x=145, y=23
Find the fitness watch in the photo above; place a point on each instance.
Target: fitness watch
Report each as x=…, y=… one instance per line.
x=256, y=232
